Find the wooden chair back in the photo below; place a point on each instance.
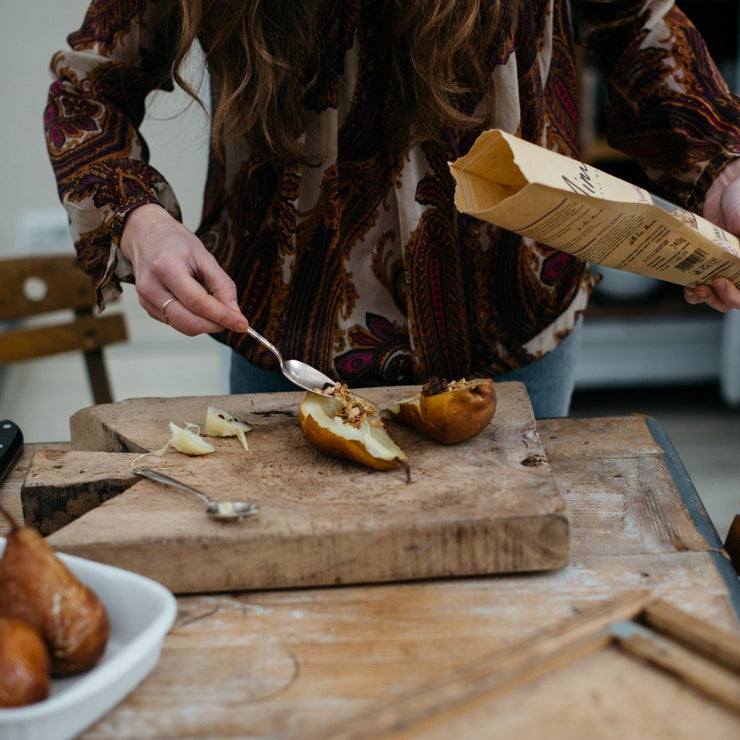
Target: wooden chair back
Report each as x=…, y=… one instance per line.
x=47, y=284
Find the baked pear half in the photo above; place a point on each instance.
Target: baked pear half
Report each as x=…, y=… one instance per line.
x=448, y=412
x=347, y=426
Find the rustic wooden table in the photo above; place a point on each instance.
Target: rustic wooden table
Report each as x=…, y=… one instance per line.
x=294, y=663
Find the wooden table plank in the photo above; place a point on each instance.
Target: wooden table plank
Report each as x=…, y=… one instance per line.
x=285, y=664
x=625, y=505
x=480, y=700
x=598, y=437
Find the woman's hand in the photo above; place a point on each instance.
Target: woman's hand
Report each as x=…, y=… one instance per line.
x=178, y=281
x=722, y=207
x=721, y=295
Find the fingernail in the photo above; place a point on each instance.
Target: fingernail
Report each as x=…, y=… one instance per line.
x=235, y=305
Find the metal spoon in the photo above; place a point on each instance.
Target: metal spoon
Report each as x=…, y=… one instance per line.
x=302, y=375
x=221, y=510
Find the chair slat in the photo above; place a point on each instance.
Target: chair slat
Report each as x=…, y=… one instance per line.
x=84, y=333
x=49, y=284
x=64, y=283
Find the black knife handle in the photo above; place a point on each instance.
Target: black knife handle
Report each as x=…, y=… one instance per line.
x=11, y=444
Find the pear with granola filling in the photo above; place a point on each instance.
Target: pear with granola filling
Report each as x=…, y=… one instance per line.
x=448, y=412
x=345, y=425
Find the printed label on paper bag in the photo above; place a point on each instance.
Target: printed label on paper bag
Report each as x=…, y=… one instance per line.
x=589, y=213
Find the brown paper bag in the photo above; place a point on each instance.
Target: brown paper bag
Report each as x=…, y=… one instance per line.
x=586, y=212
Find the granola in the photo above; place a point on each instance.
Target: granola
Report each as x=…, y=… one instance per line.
x=355, y=409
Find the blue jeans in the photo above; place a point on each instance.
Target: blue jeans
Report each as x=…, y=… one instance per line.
x=549, y=381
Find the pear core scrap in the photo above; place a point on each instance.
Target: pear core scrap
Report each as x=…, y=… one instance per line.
x=348, y=426
x=38, y=588
x=448, y=412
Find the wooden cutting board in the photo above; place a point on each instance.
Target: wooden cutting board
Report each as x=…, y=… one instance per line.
x=487, y=505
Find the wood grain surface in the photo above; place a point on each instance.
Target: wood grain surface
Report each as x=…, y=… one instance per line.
x=677, y=656
x=487, y=505
x=290, y=664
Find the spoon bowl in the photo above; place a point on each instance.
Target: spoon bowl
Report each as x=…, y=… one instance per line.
x=219, y=510
x=298, y=373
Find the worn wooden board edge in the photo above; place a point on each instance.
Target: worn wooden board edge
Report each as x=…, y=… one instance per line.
x=638, y=623
x=47, y=508
x=322, y=559
x=697, y=511
x=10, y=488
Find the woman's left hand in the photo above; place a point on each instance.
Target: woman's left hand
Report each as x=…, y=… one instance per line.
x=722, y=207
x=721, y=295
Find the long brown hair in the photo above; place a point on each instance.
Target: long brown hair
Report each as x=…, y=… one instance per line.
x=264, y=55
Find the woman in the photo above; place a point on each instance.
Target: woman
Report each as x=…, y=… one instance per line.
x=328, y=218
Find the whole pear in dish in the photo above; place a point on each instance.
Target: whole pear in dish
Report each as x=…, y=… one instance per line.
x=345, y=425
x=25, y=668
x=37, y=587
x=448, y=412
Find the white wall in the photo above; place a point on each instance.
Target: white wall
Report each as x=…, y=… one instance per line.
x=177, y=136
x=31, y=33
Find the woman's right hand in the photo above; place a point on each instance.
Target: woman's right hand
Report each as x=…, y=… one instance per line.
x=721, y=207
x=178, y=281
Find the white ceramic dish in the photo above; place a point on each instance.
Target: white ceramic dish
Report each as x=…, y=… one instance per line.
x=141, y=613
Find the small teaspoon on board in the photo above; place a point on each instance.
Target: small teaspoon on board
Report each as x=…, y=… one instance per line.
x=219, y=510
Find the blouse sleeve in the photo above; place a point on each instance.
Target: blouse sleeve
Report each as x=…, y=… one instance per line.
x=670, y=109
x=95, y=106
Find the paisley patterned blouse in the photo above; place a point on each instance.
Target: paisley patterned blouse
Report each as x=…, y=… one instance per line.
x=362, y=266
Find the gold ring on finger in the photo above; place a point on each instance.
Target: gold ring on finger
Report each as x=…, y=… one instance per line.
x=167, y=303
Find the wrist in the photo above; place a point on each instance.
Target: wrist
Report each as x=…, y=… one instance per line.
x=139, y=221
x=712, y=210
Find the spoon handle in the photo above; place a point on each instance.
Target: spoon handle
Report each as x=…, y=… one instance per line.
x=256, y=335
x=163, y=478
